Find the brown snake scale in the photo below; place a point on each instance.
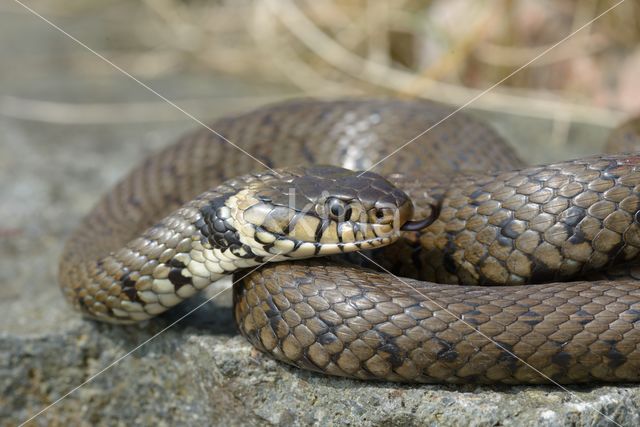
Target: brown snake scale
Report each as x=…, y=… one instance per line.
x=565, y=237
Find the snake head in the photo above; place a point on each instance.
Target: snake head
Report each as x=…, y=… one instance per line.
x=321, y=210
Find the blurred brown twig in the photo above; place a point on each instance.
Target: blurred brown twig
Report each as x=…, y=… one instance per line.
x=446, y=50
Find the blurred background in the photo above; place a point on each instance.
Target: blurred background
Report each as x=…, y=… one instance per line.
x=71, y=124
x=215, y=56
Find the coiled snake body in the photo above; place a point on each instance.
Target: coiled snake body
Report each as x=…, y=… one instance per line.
x=196, y=212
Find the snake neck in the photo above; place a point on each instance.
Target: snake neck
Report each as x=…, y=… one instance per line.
x=170, y=261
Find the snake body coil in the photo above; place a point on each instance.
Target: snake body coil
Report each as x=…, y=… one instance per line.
x=181, y=220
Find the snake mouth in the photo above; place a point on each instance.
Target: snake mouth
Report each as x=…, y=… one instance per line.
x=308, y=250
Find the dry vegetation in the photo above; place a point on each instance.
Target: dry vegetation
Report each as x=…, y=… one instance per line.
x=447, y=50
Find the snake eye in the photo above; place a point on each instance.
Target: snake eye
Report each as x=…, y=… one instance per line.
x=338, y=209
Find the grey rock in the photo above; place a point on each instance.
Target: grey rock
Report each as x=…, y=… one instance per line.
x=201, y=372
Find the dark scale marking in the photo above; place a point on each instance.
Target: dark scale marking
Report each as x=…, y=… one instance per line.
x=505, y=222
x=297, y=244
x=129, y=287
x=392, y=354
x=322, y=226
x=219, y=226
x=510, y=231
x=479, y=192
x=633, y=312
x=615, y=358
x=616, y=252
x=531, y=318
x=562, y=359
x=470, y=320
x=231, y=237
x=448, y=261
x=132, y=294
x=572, y=216
x=506, y=355
x=237, y=251
x=504, y=241
x=577, y=237
x=178, y=280
x=609, y=171
x=292, y=223
x=176, y=264
x=127, y=282
x=447, y=354
x=273, y=310
x=327, y=338
x=261, y=230
x=200, y=223
x=584, y=317
x=123, y=274
x=216, y=231
x=274, y=323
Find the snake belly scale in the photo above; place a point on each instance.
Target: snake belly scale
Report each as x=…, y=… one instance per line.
x=539, y=260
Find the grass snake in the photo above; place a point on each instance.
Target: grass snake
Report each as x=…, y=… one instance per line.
x=432, y=307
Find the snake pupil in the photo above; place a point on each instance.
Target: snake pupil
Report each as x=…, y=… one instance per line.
x=339, y=210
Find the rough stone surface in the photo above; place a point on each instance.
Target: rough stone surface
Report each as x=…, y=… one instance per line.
x=199, y=371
